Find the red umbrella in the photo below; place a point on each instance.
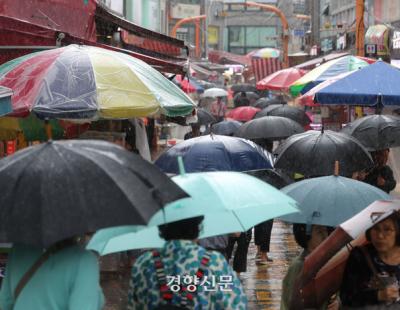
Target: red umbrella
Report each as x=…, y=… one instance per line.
x=185, y=84
x=323, y=268
x=308, y=98
x=281, y=80
x=242, y=114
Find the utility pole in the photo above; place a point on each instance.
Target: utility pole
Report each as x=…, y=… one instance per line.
x=360, y=28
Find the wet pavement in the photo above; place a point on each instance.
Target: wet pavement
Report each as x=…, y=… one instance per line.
x=262, y=283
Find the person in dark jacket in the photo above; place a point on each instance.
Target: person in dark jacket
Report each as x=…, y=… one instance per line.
x=381, y=175
x=372, y=274
x=241, y=100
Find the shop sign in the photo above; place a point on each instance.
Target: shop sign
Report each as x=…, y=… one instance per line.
x=370, y=50
x=11, y=147
x=396, y=45
x=179, y=11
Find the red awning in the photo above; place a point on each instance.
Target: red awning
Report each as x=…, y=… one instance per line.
x=15, y=34
x=141, y=37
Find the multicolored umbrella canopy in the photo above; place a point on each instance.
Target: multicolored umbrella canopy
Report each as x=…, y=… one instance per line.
x=85, y=82
x=308, y=98
x=326, y=71
x=266, y=52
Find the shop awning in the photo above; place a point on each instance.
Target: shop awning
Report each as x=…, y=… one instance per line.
x=379, y=35
x=18, y=37
x=139, y=36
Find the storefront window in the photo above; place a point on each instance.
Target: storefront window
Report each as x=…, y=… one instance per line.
x=242, y=39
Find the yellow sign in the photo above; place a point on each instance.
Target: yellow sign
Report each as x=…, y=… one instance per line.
x=213, y=35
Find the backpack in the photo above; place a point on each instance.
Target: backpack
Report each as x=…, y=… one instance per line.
x=166, y=293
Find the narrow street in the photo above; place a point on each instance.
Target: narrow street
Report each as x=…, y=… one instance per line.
x=261, y=282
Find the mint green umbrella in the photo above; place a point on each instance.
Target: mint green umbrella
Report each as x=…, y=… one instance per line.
x=115, y=239
x=229, y=201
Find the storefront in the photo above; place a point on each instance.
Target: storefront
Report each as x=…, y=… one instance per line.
x=395, y=49
x=377, y=42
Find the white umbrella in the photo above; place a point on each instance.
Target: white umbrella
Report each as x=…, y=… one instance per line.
x=215, y=92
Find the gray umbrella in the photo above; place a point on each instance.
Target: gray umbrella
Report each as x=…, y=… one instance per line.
x=204, y=117
x=285, y=110
x=262, y=103
x=313, y=153
x=57, y=190
x=237, y=88
x=269, y=127
x=375, y=132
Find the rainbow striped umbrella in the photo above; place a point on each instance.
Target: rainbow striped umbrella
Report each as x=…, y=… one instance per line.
x=266, y=52
x=326, y=71
x=85, y=82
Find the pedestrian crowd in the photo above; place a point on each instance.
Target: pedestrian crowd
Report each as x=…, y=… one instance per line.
x=187, y=273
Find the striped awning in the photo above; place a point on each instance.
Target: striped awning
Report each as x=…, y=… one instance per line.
x=265, y=67
x=379, y=35
x=150, y=44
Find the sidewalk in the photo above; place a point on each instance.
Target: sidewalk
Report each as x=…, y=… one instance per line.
x=263, y=283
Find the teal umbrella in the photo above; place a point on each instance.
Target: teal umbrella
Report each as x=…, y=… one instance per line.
x=116, y=239
x=229, y=201
x=330, y=200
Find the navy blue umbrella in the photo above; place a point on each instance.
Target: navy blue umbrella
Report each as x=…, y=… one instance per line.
x=376, y=84
x=225, y=128
x=215, y=153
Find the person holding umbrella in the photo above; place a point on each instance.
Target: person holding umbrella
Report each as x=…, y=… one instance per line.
x=218, y=109
x=372, y=273
x=64, y=276
x=309, y=237
x=183, y=274
x=381, y=174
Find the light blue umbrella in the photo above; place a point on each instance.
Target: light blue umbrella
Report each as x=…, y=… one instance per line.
x=229, y=201
x=116, y=239
x=330, y=200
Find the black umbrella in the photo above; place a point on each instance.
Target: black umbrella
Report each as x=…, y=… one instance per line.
x=204, y=117
x=269, y=127
x=225, y=128
x=375, y=132
x=237, y=88
x=272, y=177
x=240, y=101
x=285, y=110
x=57, y=190
x=313, y=153
x=262, y=103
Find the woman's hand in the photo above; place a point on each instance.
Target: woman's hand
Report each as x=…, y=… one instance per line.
x=389, y=294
